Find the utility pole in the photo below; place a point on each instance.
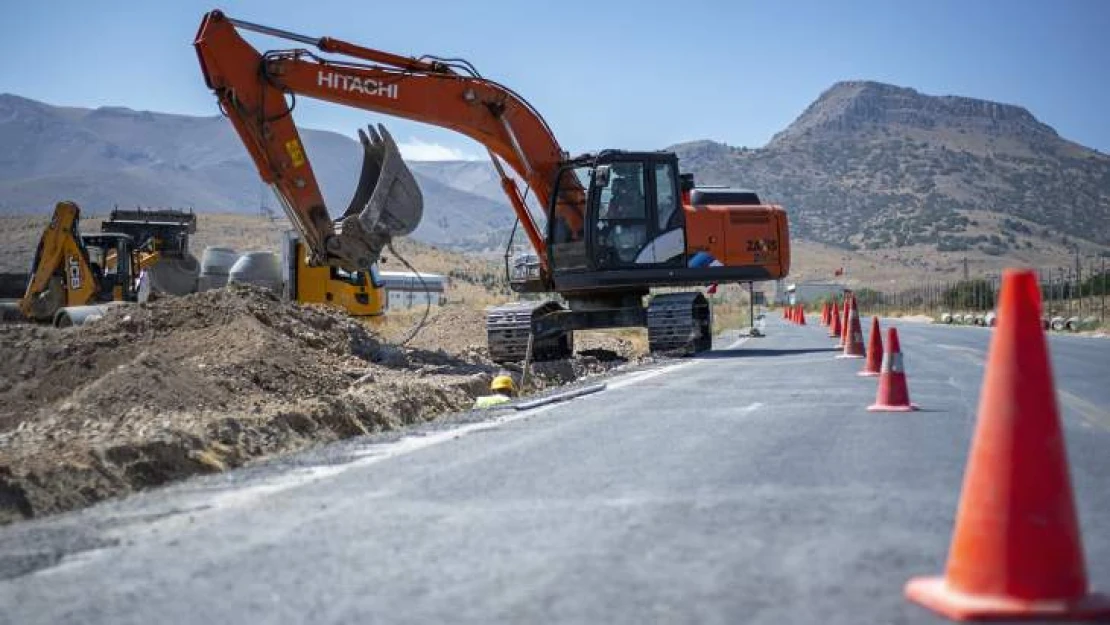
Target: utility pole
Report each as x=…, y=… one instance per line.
x=1061, y=296
x=1102, y=305
x=965, y=268
x=1078, y=282
x=1071, y=294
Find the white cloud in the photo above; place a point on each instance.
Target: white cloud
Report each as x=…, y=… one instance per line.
x=417, y=150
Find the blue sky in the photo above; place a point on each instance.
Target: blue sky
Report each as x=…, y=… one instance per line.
x=628, y=74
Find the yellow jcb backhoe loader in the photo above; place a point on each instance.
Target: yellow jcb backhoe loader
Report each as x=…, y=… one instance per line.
x=71, y=270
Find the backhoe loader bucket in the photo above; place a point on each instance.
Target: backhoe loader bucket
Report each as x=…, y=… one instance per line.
x=387, y=202
x=45, y=303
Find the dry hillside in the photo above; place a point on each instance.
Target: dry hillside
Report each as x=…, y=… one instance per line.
x=870, y=166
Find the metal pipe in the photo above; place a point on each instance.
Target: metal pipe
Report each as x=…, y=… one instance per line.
x=274, y=32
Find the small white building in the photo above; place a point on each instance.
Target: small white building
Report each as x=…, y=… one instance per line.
x=403, y=289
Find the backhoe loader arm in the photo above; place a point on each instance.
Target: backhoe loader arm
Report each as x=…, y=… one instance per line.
x=60, y=273
x=252, y=89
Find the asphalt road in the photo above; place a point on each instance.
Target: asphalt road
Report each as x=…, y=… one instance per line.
x=746, y=486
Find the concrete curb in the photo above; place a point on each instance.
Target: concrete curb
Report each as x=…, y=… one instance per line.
x=550, y=399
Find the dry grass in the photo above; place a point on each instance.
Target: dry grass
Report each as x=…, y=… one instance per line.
x=637, y=337
x=731, y=316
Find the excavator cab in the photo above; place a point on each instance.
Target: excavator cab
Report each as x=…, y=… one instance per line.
x=632, y=209
x=618, y=212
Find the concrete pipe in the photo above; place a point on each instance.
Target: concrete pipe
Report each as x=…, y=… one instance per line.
x=1072, y=324
x=990, y=320
x=1090, y=323
x=215, y=264
x=217, y=260
x=80, y=315
x=1058, y=323
x=175, y=276
x=257, y=268
x=946, y=318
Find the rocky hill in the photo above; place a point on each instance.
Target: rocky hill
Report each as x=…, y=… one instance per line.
x=113, y=156
x=872, y=166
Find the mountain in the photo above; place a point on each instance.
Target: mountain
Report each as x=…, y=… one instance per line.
x=112, y=156
x=477, y=177
x=867, y=167
x=873, y=166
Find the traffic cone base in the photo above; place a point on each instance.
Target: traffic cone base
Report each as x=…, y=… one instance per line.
x=850, y=356
x=868, y=374
x=886, y=408
x=935, y=593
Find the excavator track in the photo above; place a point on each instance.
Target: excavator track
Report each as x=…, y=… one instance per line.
x=508, y=328
x=679, y=324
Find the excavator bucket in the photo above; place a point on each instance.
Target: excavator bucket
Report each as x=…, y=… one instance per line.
x=387, y=202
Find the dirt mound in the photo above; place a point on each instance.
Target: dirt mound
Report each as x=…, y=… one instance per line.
x=206, y=350
x=158, y=391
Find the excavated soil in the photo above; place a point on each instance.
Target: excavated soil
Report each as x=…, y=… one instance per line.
x=159, y=391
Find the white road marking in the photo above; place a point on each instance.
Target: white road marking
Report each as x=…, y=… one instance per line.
x=751, y=408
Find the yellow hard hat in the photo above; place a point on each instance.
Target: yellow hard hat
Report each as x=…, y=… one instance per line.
x=501, y=382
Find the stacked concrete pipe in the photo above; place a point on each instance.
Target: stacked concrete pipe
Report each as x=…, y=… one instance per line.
x=257, y=268
x=215, y=265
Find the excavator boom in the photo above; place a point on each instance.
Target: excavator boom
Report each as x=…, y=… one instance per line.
x=253, y=87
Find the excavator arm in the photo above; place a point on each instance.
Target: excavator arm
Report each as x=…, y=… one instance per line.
x=257, y=91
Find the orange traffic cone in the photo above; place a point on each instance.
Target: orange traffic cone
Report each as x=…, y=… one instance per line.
x=801, y=315
x=871, y=366
x=853, y=334
x=849, y=301
x=893, y=394
x=834, y=327
x=1016, y=550
x=824, y=313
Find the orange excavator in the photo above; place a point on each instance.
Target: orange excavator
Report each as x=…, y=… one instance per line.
x=615, y=223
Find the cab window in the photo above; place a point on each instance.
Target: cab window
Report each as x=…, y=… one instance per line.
x=568, y=245
x=666, y=200
x=354, y=278
x=622, y=227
